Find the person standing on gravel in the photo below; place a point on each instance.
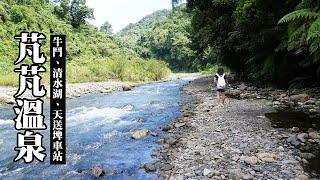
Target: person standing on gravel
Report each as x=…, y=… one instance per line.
x=220, y=81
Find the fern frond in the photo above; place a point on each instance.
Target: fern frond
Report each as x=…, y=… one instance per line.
x=314, y=30
x=314, y=46
x=299, y=14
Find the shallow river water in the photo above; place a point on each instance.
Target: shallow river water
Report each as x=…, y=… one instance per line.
x=99, y=127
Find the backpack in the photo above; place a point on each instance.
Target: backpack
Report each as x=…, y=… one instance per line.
x=221, y=81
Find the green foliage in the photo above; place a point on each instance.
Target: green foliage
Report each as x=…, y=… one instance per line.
x=106, y=28
x=175, y=3
x=245, y=36
x=104, y=69
x=162, y=35
x=212, y=69
x=87, y=47
x=298, y=15
x=75, y=12
x=309, y=26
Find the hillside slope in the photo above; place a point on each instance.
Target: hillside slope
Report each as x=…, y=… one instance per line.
x=92, y=55
x=162, y=35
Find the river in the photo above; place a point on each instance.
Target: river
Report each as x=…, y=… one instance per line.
x=99, y=127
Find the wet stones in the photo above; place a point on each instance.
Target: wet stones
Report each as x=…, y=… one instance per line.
x=96, y=172
x=126, y=87
x=177, y=125
x=167, y=127
x=150, y=167
x=170, y=140
x=128, y=107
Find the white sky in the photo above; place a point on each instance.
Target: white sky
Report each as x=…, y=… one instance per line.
x=120, y=13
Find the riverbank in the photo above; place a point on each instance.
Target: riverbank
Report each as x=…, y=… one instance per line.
x=78, y=89
x=233, y=142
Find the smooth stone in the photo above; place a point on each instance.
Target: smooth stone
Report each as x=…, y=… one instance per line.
x=314, y=135
x=140, y=134
x=252, y=160
x=96, y=172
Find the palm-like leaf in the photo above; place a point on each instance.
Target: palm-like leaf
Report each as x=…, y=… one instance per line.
x=314, y=30
x=299, y=14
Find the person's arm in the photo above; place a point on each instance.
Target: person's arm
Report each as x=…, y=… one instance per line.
x=226, y=79
x=215, y=80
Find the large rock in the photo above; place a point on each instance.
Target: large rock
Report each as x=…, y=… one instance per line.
x=293, y=140
x=314, y=135
x=295, y=129
x=252, y=160
x=170, y=140
x=150, y=167
x=128, y=107
x=8, y=99
x=140, y=134
x=96, y=172
x=302, y=137
x=267, y=157
x=242, y=87
x=177, y=125
x=167, y=127
x=300, y=97
x=303, y=177
x=126, y=88
x=207, y=172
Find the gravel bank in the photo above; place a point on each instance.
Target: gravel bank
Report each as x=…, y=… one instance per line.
x=232, y=142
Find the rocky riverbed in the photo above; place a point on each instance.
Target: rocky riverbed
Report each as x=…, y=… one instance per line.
x=306, y=100
x=236, y=141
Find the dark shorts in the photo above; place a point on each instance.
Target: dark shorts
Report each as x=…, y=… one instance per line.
x=220, y=90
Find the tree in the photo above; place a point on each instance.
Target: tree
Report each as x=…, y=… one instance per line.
x=74, y=13
x=175, y=3
x=80, y=12
x=310, y=22
x=304, y=33
x=244, y=36
x=106, y=28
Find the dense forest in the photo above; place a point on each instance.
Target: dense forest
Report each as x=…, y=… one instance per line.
x=274, y=42
x=163, y=35
x=92, y=55
x=269, y=41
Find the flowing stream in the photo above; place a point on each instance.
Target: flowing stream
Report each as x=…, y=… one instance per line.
x=99, y=127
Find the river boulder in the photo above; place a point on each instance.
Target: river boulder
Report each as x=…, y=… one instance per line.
x=126, y=88
x=140, y=134
x=299, y=97
x=96, y=172
x=150, y=167
x=314, y=135
x=252, y=160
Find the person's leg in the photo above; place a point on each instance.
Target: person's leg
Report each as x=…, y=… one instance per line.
x=223, y=97
x=218, y=97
